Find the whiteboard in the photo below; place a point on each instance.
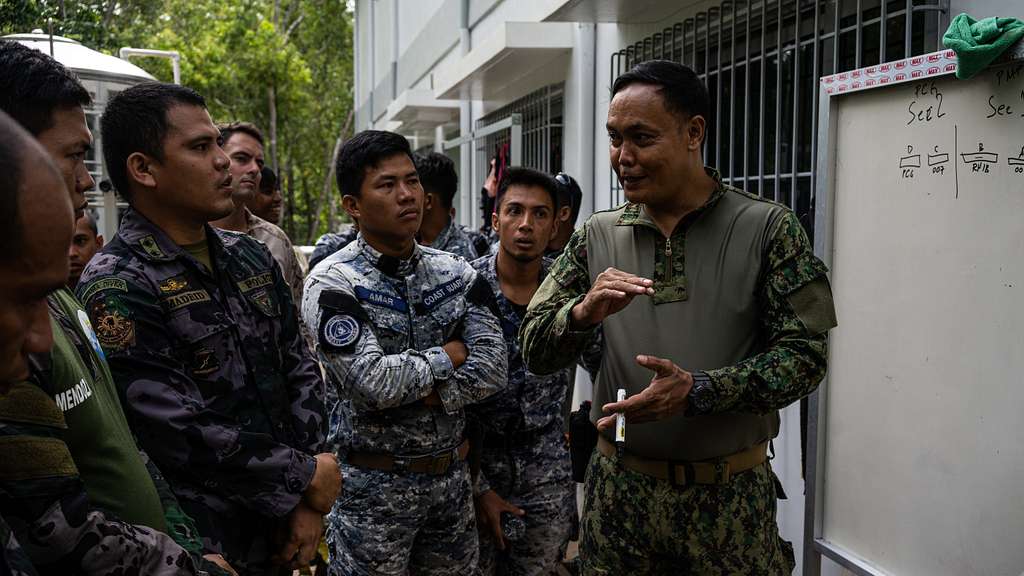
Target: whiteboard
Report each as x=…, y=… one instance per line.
x=921, y=439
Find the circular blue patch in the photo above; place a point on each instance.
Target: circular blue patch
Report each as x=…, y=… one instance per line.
x=340, y=331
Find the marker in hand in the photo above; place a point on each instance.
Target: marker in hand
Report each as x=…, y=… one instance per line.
x=620, y=426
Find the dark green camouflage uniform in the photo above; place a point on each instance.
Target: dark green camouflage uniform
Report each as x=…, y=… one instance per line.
x=221, y=390
x=636, y=524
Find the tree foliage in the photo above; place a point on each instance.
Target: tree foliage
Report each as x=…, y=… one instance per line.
x=285, y=65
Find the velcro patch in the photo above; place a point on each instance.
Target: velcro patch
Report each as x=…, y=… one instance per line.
x=186, y=299
x=480, y=293
x=443, y=293
x=381, y=299
x=254, y=282
x=338, y=331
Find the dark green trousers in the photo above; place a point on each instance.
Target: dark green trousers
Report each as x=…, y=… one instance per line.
x=636, y=524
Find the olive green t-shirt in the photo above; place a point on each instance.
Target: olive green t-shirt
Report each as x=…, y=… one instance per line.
x=201, y=252
x=98, y=435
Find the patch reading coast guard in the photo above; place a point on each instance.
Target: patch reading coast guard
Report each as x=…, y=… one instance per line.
x=339, y=331
x=443, y=293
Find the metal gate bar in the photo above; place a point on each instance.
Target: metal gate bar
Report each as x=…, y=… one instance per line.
x=794, y=57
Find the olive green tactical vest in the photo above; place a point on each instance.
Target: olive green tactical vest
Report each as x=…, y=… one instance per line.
x=712, y=323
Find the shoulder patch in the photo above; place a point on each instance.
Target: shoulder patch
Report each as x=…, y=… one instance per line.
x=103, y=284
x=115, y=327
x=338, y=331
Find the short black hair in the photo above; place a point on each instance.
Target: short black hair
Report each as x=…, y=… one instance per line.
x=12, y=148
x=520, y=176
x=248, y=128
x=33, y=85
x=438, y=176
x=92, y=219
x=366, y=150
x=681, y=89
x=569, y=194
x=268, y=179
x=135, y=120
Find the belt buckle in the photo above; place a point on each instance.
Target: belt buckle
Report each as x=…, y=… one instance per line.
x=723, y=471
x=689, y=474
x=440, y=464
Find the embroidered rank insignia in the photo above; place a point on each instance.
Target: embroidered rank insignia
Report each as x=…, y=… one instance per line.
x=339, y=331
x=172, y=285
x=149, y=245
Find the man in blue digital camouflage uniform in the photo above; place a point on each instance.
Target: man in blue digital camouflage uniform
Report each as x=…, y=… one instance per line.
x=438, y=229
x=525, y=468
x=409, y=339
x=203, y=340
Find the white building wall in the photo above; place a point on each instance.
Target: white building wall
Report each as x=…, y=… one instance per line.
x=429, y=41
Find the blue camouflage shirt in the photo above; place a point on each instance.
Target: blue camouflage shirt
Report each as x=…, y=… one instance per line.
x=381, y=323
x=220, y=387
x=454, y=239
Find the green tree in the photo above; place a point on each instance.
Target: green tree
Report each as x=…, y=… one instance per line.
x=285, y=65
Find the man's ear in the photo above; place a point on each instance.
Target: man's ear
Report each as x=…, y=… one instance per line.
x=140, y=169
x=351, y=205
x=494, y=221
x=695, y=127
x=564, y=213
x=428, y=201
x=99, y=240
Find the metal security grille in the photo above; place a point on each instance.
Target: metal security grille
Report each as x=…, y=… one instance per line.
x=542, y=117
x=761, y=62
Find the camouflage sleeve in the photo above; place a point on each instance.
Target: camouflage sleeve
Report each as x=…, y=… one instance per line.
x=305, y=383
x=352, y=355
x=13, y=559
x=171, y=419
x=45, y=504
x=547, y=342
x=484, y=371
x=796, y=314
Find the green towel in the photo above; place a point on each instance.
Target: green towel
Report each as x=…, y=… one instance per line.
x=978, y=42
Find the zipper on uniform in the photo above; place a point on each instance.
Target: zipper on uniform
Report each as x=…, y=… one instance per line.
x=668, y=259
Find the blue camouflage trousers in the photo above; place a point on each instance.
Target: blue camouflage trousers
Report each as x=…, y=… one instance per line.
x=536, y=478
x=397, y=523
x=636, y=524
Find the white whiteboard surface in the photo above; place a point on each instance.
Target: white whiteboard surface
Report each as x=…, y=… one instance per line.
x=923, y=460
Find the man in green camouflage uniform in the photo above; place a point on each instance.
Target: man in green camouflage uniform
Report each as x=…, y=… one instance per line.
x=719, y=294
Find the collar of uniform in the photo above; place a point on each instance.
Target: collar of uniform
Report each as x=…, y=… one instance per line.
x=634, y=213
x=151, y=243
x=390, y=265
x=490, y=270
x=442, y=238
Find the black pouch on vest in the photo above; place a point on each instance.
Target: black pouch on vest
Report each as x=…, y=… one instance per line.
x=582, y=440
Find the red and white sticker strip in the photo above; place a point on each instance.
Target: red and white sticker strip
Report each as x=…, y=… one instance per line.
x=934, y=64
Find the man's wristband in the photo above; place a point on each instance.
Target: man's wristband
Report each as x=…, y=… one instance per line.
x=701, y=399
